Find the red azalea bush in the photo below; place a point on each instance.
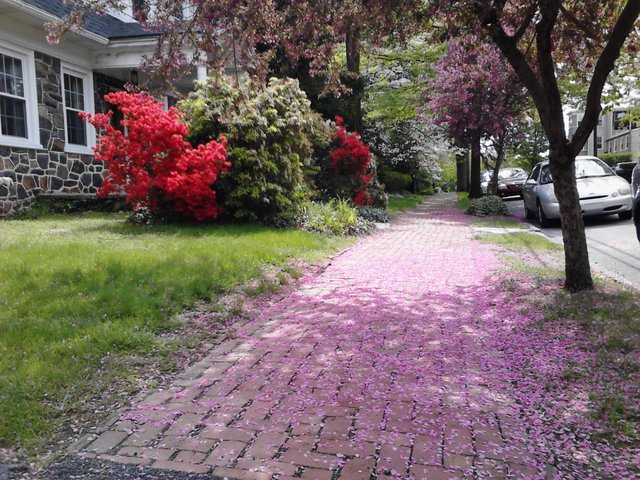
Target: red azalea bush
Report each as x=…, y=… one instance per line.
x=151, y=160
x=351, y=160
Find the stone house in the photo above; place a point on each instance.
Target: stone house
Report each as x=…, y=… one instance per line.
x=45, y=148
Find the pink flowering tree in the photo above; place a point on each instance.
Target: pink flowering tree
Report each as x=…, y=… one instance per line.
x=476, y=96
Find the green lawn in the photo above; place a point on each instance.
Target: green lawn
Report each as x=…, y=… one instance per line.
x=75, y=290
x=521, y=241
x=494, y=222
x=399, y=204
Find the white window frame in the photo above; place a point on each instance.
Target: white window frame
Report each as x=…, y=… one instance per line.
x=30, y=98
x=87, y=83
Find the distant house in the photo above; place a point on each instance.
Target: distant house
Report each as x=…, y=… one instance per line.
x=45, y=148
x=614, y=133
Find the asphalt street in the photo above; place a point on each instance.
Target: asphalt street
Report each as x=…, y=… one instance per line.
x=613, y=247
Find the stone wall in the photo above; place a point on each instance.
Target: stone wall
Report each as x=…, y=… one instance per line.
x=25, y=173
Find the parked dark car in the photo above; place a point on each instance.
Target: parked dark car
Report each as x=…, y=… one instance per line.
x=511, y=181
x=635, y=191
x=625, y=169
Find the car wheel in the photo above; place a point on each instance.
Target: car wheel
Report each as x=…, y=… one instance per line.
x=528, y=213
x=544, y=221
x=626, y=215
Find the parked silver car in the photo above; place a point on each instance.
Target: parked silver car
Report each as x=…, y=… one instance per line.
x=601, y=191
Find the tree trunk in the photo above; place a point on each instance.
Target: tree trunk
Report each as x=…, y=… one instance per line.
x=353, y=47
x=462, y=172
x=577, y=269
x=492, y=187
x=475, y=190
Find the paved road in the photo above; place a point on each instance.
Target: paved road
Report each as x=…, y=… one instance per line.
x=613, y=247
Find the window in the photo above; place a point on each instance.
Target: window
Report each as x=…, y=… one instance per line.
x=18, y=104
x=600, y=121
x=13, y=104
x=534, y=173
x=545, y=175
x=77, y=89
x=618, y=121
x=599, y=143
x=74, y=104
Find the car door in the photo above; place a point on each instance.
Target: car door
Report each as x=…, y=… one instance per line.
x=529, y=188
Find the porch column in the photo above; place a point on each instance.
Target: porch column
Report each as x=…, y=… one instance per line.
x=202, y=73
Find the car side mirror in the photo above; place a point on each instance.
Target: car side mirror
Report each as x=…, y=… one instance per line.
x=531, y=181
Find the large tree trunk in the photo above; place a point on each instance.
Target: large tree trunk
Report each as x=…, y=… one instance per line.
x=492, y=187
x=353, y=47
x=475, y=190
x=462, y=172
x=576, y=254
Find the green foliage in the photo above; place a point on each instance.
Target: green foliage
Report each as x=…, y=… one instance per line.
x=372, y=214
x=336, y=217
x=531, y=142
x=463, y=200
x=271, y=131
x=395, y=182
x=612, y=159
x=449, y=177
x=77, y=290
x=398, y=76
x=491, y=205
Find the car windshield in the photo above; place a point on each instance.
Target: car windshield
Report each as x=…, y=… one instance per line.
x=511, y=173
x=585, y=168
x=592, y=168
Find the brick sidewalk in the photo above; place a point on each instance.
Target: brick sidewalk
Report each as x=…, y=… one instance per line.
x=374, y=368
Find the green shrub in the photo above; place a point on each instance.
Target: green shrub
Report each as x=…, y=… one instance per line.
x=491, y=205
x=396, y=181
x=373, y=214
x=46, y=205
x=270, y=129
x=612, y=159
x=337, y=217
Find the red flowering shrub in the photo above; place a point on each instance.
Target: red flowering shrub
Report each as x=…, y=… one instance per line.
x=350, y=156
x=152, y=161
x=351, y=159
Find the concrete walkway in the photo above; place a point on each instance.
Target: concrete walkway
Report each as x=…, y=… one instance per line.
x=374, y=368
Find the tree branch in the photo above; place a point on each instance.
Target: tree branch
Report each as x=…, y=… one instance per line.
x=549, y=10
x=525, y=23
x=623, y=27
x=517, y=60
x=577, y=23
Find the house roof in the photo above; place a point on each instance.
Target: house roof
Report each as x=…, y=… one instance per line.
x=105, y=26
